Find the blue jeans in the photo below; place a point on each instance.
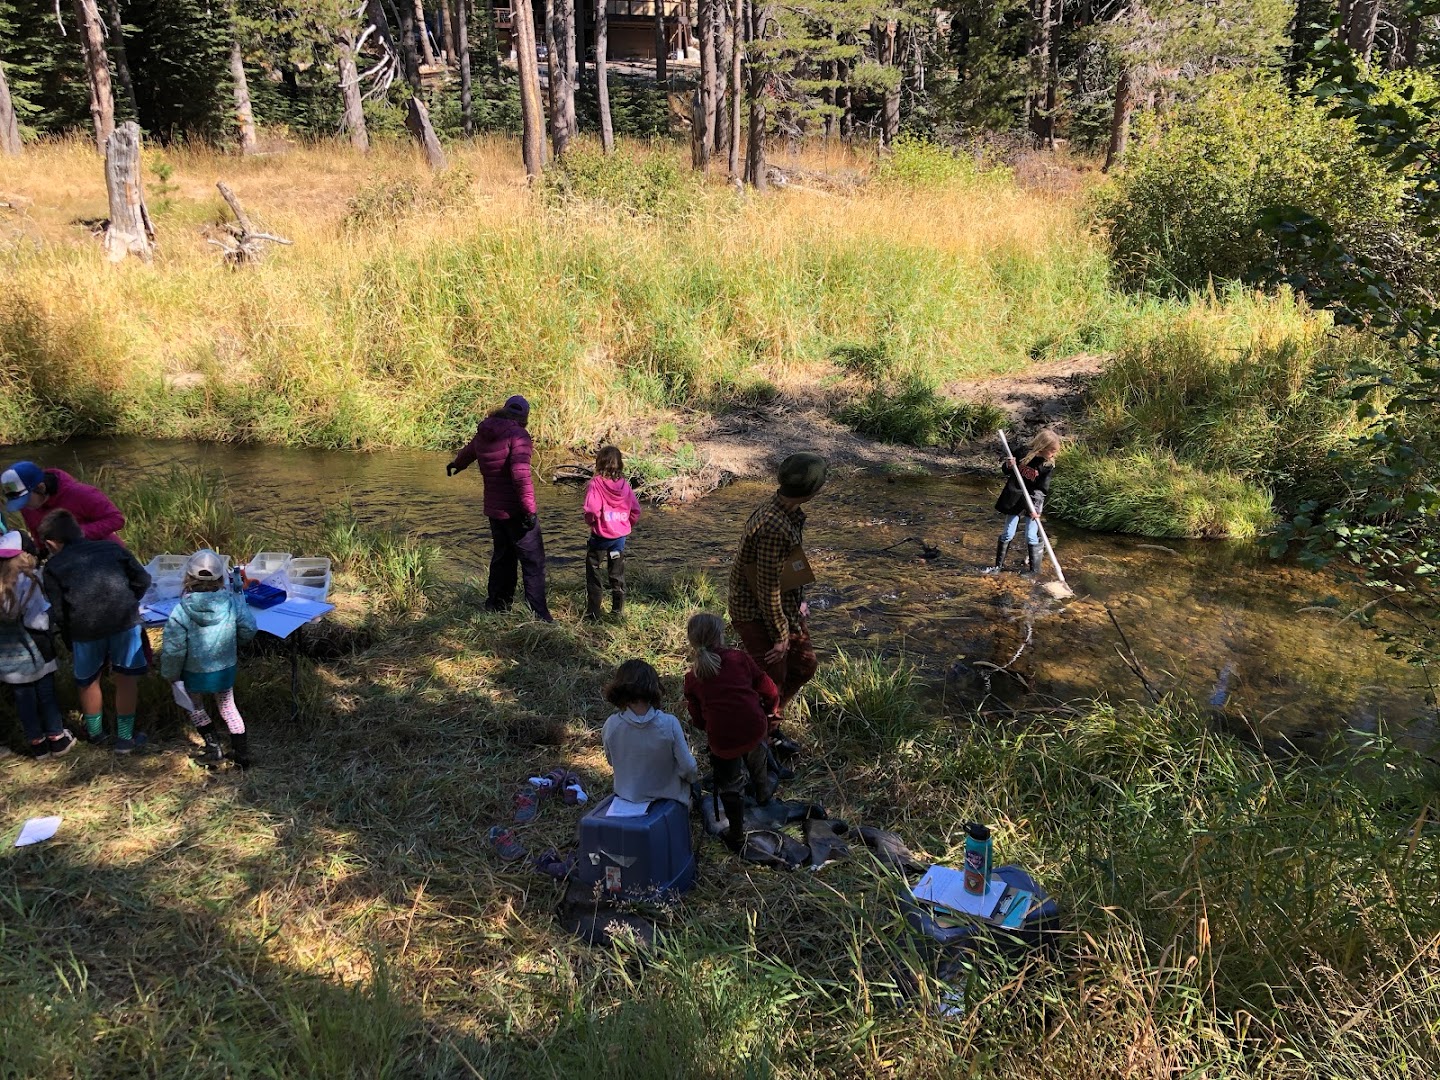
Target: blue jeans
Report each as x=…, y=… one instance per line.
x=601, y=543
x=36, y=704
x=1032, y=530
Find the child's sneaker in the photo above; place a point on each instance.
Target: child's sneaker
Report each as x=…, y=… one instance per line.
x=37, y=751
x=61, y=746
x=130, y=745
x=504, y=844
x=527, y=806
x=101, y=739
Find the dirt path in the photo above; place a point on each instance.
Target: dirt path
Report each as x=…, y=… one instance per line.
x=751, y=442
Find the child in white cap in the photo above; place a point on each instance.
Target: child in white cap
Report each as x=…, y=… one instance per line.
x=200, y=650
x=27, y=651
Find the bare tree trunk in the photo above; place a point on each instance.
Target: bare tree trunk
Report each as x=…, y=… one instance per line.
x=602, y=76
x=405, y=20
x=120, y=57
x=847, y=104
x=702, y=113
x=1039, y=66
x=417, y=119
x=566, y=12
x=1410, y=50
x=724, y=46
x=129, y=231
x=462, y=52
x=832, y=98
x=1360, y=34
x=426, y=51
x=755, y=151
x=448, y=52
x=9, y=125
x=240, y=87
x=455, y=17
x=1120, y=119
x=558, y=65
x=737, y=90
x=662, y=47
x=890, y=119
x=375, y=12
x=97, y=66
x=532, y=114
x=354, y=112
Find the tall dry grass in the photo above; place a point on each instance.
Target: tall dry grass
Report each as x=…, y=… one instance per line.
x=407, y=302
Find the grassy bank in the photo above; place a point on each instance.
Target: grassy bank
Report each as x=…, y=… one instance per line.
x=1215, y=419
x=408, y=303
x=333, y=912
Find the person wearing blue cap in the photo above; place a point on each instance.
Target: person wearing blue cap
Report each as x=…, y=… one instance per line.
x=33, y=492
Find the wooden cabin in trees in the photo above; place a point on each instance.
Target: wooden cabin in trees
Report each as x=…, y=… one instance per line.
x=632, y=28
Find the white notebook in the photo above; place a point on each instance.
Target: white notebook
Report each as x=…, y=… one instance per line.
x=945, y=887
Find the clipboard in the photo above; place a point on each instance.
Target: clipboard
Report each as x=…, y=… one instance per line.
x=795, y=573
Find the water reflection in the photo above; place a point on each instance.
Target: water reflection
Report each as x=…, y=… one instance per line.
x=1191, y=610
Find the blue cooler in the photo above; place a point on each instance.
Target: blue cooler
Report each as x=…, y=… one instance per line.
x=637, y=858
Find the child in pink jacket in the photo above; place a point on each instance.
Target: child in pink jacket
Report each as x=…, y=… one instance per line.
x=611, y=510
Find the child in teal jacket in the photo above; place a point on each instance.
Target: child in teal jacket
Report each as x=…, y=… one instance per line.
x=200, y=650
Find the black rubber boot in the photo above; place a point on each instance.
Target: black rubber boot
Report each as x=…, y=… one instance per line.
x=1002, y=548
x=734, y=805
x=213, y=753
x=1035, y=554
x=240, y=750
x=593, y=591
x=617, y=582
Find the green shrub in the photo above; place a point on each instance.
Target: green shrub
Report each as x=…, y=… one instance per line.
x=1185, y=209
x=918, y=162
x=1151, y=493
x=911, y=412
x=646, y=185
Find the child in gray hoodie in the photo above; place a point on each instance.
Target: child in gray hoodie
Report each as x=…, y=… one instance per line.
x=645, y=747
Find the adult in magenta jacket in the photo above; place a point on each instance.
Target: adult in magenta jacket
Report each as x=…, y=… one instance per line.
x=502, y=449
x=36, y=492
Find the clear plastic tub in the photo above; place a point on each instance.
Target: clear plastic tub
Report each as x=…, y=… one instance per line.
x=309, y=578
x=167, y=577
x=265, y=563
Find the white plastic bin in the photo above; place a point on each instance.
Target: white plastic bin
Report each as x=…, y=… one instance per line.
x=167, y=576
x=309, y=578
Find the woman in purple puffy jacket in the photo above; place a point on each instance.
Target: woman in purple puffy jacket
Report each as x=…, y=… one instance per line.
x=502, y=450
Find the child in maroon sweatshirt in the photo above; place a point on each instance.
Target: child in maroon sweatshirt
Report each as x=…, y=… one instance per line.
x=611, y=510
x=731, y=700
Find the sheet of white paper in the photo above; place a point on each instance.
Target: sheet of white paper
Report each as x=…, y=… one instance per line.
x=946, y=886
x=625, y=808
x=36, y=829
x=282, y=620
x=182, y=698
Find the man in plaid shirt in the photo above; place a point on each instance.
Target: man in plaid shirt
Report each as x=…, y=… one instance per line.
x=771, y=623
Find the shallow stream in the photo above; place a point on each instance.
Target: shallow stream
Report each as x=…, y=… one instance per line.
x=1192, y=611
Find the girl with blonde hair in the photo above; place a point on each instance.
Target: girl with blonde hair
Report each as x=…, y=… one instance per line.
x=1036, y=471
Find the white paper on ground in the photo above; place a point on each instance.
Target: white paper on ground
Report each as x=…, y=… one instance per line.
x=182, y=696
x=945, y=886
x=625, y=808
x=282, y=620
x=37, y=829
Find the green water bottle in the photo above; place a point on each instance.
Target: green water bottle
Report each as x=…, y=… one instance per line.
x=977, y=858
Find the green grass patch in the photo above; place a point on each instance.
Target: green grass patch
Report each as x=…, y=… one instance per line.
x=1154, y=494
x=912, y=412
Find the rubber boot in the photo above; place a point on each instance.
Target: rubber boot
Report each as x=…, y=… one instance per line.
x=240, y=750
x=617, y=582
x=1002, y=548
x=734, y=805
x=593, y=591
x=1035, y=554
x=213, y=753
